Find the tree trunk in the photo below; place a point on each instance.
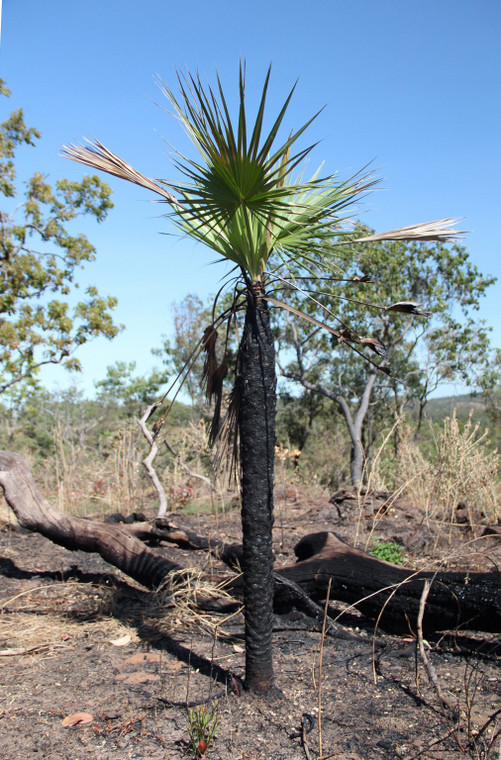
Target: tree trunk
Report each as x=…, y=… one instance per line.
x=256, y=391
x=354, y=425
x=357, y=459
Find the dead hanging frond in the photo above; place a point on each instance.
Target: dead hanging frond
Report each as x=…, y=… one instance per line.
x=213, y=377
x=343, y=335
x=97, y=156
x=226, y=460
x=366, y=278
x=408, y=307
x=375, y=345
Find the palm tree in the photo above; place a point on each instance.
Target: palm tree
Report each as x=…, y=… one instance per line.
x=244, y=199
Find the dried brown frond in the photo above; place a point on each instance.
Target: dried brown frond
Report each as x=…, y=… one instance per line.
x=213, y=376
x=375, y=345
x=438, y=232
x=345, y=335
x=100, y=158
x=362, y=278
x=408, y=307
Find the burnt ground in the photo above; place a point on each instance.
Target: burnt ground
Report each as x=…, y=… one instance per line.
x=78, y=636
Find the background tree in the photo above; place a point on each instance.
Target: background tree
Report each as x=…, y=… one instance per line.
x=242, y=200
x=38, y=262
x=489, y=389
x=130, y=392
x=183, y=355
x=422, y=351
x=180, y=353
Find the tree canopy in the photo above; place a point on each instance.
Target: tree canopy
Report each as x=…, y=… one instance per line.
x=41, y=320
x=439, y=339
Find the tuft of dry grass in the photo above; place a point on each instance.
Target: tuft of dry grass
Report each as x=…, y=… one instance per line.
x=174, y=604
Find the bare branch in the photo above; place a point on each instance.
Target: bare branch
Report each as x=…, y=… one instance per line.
x=430, y=670
x=148, y=461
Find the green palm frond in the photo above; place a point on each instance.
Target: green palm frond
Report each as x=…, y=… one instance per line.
x=240, y=199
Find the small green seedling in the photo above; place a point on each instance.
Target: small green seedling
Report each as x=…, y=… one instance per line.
x=203, y=721
x=388, y=551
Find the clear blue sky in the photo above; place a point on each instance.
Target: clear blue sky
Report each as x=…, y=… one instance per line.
x=412, y=86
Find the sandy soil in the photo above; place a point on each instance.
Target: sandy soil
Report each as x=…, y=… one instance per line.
x=78, y=636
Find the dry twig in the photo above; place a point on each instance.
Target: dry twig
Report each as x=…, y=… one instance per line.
x=320, y=660
x=430, y=670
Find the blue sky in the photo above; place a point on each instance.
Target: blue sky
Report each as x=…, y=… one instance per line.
x=411, y=86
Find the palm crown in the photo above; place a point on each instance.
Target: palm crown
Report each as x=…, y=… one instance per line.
x=241, y=198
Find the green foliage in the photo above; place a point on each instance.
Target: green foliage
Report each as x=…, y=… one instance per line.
x=191, y=317
x=203, y=722
x=421, y=351
x=132, y=394
x=452, y=340
x=388, y=551
x=39, y=258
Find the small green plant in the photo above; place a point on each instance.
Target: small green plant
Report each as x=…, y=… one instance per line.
x=388, y=551
x=203, y=721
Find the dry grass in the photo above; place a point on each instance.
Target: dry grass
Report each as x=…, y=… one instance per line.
x=174, y=605
x=78, y=482
x=461, y=471
x=59, y=614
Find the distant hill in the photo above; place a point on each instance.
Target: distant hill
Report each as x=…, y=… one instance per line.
x=438, y=408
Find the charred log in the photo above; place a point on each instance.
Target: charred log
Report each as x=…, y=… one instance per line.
x=114, y=542
x=391, y=594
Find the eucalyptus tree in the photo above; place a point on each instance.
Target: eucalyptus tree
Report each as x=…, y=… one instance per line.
x=245, y=198
x=423, y=351
x=39, y=262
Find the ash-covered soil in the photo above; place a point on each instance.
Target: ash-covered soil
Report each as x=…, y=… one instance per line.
x=76, y=635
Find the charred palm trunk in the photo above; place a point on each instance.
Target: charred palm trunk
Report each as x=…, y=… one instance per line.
x=256, y=383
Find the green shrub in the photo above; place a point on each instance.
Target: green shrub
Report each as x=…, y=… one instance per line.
x=388, y=551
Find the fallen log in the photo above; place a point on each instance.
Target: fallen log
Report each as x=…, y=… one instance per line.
x=160, y=529
x=113, y=542
x=381, y=591
x=391, y=594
